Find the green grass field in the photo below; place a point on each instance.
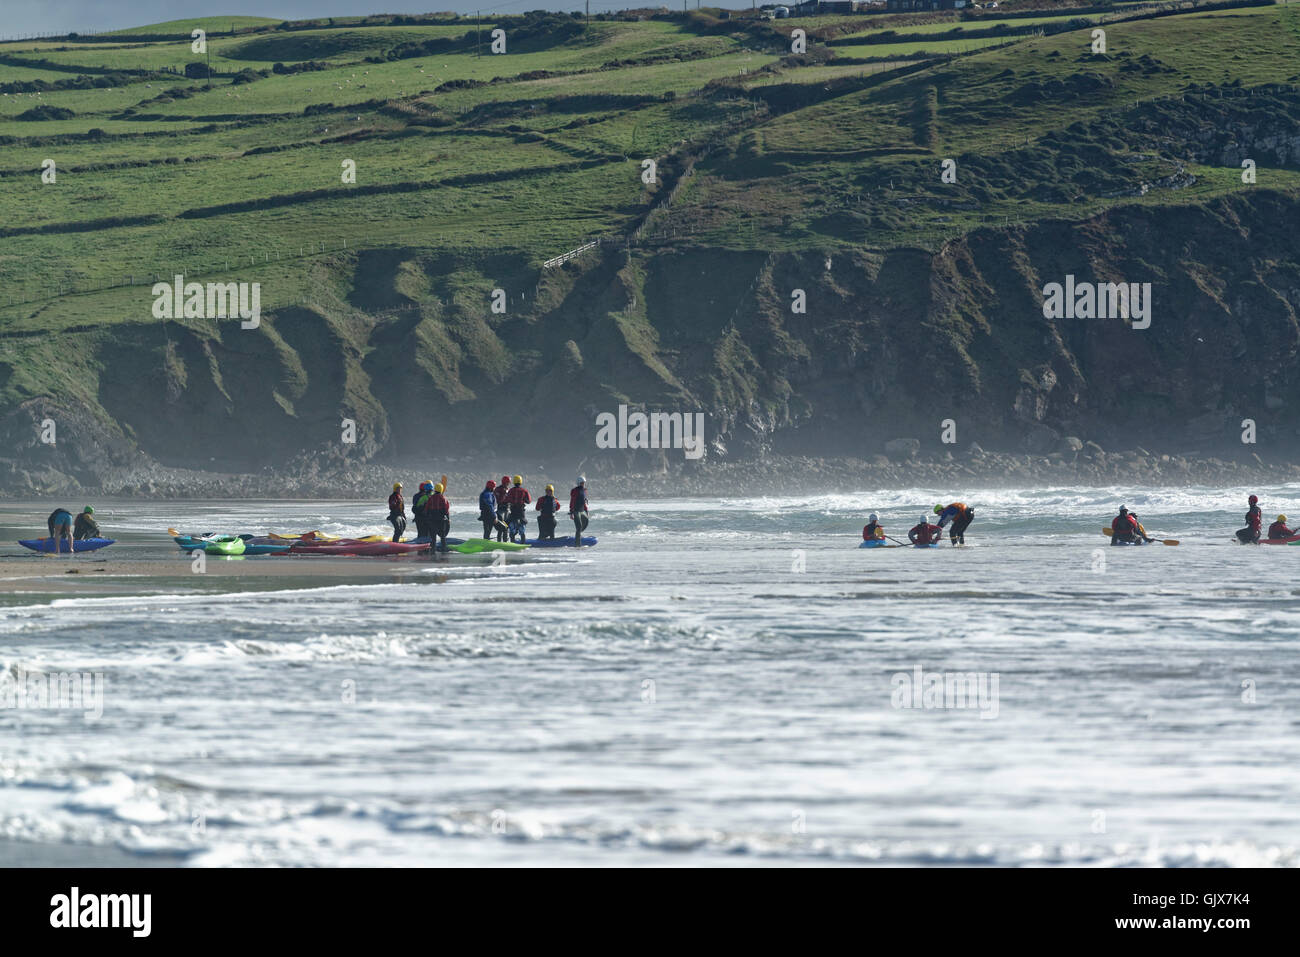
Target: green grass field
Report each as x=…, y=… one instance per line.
x=535, y=151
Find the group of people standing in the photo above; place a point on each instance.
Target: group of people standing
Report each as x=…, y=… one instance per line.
x=958, y=516
x=503, y=510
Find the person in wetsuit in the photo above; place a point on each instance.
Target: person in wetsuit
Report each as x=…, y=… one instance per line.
x=1279, y=529
x=579, y=509
x=546, y=507
x=397, y=512
x=60, y=526
x=85, y=526
x=1254, y=521
x=438, y=515
x=503, y=508
x=518, y=500
x=487, y=508
x=418, y=513
x=1126, y=529
x=872, y=530
x=960, y=515
x=923, y=533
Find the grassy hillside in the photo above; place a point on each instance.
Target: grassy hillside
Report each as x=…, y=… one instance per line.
x=472, y=169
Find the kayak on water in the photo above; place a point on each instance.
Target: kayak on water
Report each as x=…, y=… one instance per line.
x=1289, y=540
x=47, y=544
x=1110, y=532
x=878, y=543
x=566, y=541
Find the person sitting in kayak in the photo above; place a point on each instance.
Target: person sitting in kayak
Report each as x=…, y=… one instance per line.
x=923, y=533
x=503, y=507
x=872, y=530
x=419, y=515
x=547, y=506
x=60, y=526
x=1279, y=530
x=1126, y=529
x=85, y=526
x=960, y=515
x=1254, y=521
x=518, y=500
x=437, y=513
x=487, y=508
x=579, y=506
x=397, y=512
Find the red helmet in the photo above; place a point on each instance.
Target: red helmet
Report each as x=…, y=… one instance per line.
x=505, y=480
x=491, y=485
x=1254, y=499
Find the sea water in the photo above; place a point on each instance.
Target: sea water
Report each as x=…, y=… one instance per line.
x=718, y=682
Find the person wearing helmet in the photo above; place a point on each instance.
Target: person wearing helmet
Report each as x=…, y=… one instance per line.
x=438, y=513
x=518, y=499
x=1126, y=529
x=872, y=530
x=85, y=526
x=503, y=508
x=960, y=515
x=923, y=533
x=419, y=514
x=397, y=512
x=1279, y=530
x=579, y=506
x=1254, y=522
x=547, y=506
x=487, y=508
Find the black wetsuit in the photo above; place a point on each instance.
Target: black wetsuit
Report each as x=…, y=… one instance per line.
x=547, y=506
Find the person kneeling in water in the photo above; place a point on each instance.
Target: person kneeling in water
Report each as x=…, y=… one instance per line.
x=923, y=533
x=960, y=515
x=1254, y=520
x=1125, y=528
x=872, y=530
x=1279, y=530
x=547, y=506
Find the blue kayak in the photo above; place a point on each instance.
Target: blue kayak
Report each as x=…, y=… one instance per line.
x=876, y=543
x=566, y=541
x=47, y=544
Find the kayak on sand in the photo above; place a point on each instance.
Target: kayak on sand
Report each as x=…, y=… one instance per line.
x=47, y=544
x=566, y=541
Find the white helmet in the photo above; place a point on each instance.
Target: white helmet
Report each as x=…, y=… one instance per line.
x=872, y=518
x=582, y=480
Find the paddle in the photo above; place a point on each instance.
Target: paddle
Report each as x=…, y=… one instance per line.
x=1163, y=541
x=893, y=539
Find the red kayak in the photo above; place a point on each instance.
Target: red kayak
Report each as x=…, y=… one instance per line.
x=1279, y=541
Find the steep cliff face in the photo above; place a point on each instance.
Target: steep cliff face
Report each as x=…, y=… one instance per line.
x=889, y=344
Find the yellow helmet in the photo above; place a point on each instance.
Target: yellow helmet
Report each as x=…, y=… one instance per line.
x=551, y=488
x=396, y=486
x=1281, y=518
x=519, y=480
x=438, y=487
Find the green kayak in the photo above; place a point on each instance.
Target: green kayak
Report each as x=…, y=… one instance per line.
x=225, y=545
x=475, y=546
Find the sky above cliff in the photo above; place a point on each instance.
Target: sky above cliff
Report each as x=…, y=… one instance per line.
x=85, y=16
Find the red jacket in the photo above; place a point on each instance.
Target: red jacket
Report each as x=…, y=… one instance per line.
x=1255, y=517
x=870, y=532
x=578, y=499
x=1124, y=525
x=518, y=496
x=925, y=534
x=437, y=504
x=501, y=492
x=395, y=504
x=1279, y=530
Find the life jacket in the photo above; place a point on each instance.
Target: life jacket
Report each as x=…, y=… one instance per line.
x=578, y=499
x=1255, y=517
x=437, y=504
x=519, y=496
x=872, y=530
x=548, y=505
x=1124, y=525
x=487, y=502
x=925, y=534
x=395, y=504
x=420, y=501
x=501, y=493
x=1279, y=530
